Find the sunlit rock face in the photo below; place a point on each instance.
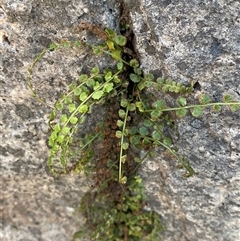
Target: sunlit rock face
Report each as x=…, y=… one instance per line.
x=195, y=41
x=184, y=40
x=35, y=205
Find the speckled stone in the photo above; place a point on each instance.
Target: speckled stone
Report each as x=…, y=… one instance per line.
x=185, y=40
x=195, y=41
x=34, y=205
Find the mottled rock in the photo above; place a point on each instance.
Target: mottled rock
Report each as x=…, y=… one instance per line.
x=34, y=205
x=184, y=40
x=195, y=41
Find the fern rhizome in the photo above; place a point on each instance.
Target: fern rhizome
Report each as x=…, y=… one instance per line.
x=136, y=120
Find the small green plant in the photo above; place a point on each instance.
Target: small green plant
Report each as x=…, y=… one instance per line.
x=116, y=211
x=122, y=221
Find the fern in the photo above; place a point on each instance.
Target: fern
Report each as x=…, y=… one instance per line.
x=141, y=123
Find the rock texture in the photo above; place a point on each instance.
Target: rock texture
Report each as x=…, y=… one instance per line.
x=185, y=40
x=34, y=205
x=199, y=41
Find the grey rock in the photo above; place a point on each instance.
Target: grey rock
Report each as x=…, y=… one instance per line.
x=199, y=41
x=34, y=205
x=184, y=40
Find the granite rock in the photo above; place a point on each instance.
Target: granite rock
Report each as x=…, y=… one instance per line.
x=34, y=205
x=185, y=40
x=195, y=41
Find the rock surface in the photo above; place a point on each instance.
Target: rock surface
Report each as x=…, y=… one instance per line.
x=184, y=40
x=195, y=40
x=34, y=205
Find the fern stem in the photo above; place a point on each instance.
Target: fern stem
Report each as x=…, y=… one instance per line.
x=194, y=106
x=121, y=146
